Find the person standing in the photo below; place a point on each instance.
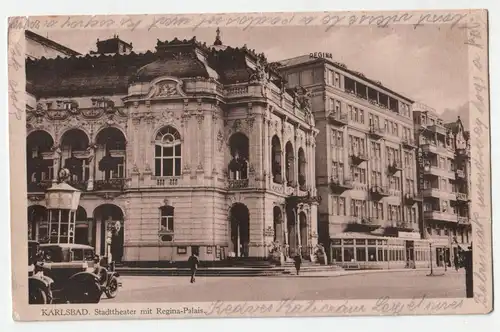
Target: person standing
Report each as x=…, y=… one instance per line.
x=298, y=262
x=193, y=265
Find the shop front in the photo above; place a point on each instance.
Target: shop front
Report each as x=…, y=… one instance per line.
x=366, y=251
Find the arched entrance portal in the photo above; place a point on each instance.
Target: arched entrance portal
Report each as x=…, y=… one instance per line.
x=37, y=223
x=239, y=217
x=292, y=232
x=106, y=215
x=82, y=227
x=303, y=234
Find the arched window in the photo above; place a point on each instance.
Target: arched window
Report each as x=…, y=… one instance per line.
x=276, y=159
x=239, y=148
x=168, y=152
x=302, y=169
x=167, y=219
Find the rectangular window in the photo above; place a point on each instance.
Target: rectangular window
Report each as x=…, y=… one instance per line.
x=372, y=254
x=337, y=254
x=361, y=254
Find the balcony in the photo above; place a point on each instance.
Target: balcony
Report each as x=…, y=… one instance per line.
x=401, y=226
x=378, y=192
x=340, y=185
x=237, y=184
x=411, y=198
x=462, y=153
x=394, y=167
x=431, y=192
x=109, y=185
x=39, y=187
x=460, y=174
x=362, y=224
x=338, y=118
x=441, y=216
x=408, y=143
x=462, y=197
x=77, y=184
x=376, y=132
x=438, y=129
x=358, y=157
x=167, y=181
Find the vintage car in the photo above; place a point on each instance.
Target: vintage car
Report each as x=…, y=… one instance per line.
x=76, y=275
x=39, y=285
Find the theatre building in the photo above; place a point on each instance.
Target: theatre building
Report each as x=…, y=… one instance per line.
x=365, y=166
x=192, y=148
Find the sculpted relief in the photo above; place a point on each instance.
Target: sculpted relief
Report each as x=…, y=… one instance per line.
x=56, y=117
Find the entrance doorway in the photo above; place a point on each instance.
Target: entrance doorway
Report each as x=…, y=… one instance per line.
x=292, y=233
x=278, y=225
x=104, y=215
x=239, y=229
x=410, y=254
x=303, y=234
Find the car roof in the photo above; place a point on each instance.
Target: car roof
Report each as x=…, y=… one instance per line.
x=67, y=245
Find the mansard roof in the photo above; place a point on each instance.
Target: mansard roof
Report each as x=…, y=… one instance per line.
x=112, y=74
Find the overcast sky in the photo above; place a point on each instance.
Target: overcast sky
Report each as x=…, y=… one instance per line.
x=427, y=64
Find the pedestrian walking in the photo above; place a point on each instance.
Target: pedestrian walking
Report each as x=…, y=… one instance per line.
x=298, y=262
x=193, y=265
x=456, y=261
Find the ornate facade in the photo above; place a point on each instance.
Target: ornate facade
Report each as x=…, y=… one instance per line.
x=192, y=147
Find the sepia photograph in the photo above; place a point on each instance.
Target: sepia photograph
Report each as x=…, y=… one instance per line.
x=266, y=160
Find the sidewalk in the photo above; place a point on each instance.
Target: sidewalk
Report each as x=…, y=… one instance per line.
x=325, y=271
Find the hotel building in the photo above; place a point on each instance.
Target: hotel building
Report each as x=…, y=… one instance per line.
x=365, y=166
x=192, y=148
x=444, y=174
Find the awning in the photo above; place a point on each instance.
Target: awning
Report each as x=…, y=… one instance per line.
x=463, y=247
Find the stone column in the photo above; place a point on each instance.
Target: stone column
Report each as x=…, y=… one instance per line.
x=283, y=156
x=90, y=228
x=57, y=163
x=295, y=161
x=266, y=142
x=90, y=184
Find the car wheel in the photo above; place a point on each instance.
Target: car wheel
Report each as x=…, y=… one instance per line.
x=85, y=292
x=112, y=288
x=37, y=296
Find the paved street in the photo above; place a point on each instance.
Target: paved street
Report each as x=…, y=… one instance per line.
x=357, y=286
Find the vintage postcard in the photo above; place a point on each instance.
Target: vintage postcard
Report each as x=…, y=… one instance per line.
x=260, y=164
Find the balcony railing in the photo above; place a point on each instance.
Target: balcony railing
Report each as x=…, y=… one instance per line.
x=110, y=184
x=441, y=216
x=378, y=192
x=402, y=226
x=462, y=153
x=362, y=224
x=338, y=118
x=463, y=220
x=77, y=184
x=409, y=143
x=357, y=157
x=439, y=129
x=238, y=184
x=376, y=131
x=167, y=182
x=411, y=198
x=460, y=173
x=39, y=187
x=340, y=185
x=395, y=166
x=431, y=192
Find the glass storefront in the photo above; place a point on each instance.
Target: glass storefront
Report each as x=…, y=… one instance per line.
x=378, y=250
